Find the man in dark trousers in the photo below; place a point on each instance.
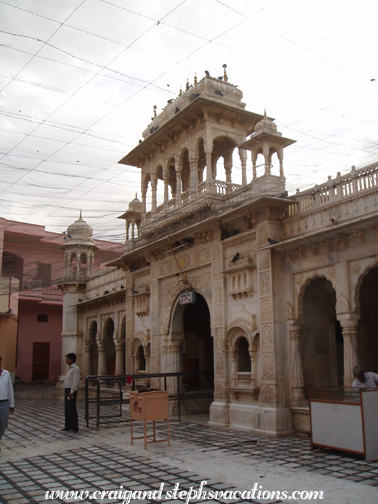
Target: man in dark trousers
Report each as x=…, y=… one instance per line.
x=6, y=399
x=70, y=384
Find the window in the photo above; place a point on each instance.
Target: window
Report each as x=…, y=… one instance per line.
x=43, y=274
x=244, y=359
x=42, y=318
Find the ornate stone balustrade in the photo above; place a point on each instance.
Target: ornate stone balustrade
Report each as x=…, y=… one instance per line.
x=220, y=187
x=335, y=190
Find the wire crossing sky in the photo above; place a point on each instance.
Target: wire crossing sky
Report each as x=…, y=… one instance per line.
x=79, y=80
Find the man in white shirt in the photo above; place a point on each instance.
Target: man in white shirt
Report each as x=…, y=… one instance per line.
x=70, y=384
x=364, y=380
x=6, y=399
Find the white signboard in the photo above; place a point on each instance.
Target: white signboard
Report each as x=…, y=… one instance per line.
x=187, y=297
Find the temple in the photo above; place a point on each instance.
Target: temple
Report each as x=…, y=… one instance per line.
x=224, y=273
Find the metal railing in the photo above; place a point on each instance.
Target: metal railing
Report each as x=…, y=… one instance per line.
x=115, y=392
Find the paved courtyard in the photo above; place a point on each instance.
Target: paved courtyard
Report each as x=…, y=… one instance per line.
x=37, y=457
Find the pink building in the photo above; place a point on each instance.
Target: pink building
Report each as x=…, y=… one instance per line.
x=33, y=256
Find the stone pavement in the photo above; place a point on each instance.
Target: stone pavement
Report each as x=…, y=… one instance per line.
x=36, y=457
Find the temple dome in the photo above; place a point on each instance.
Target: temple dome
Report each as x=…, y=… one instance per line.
x=80, y=232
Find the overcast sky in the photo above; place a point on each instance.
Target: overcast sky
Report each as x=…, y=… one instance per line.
x=79, y=79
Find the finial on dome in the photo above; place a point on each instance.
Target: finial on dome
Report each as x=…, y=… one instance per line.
x=195, y=79
x=80, y=215
x=225, y=77
x=264, y=112
x=136, y=195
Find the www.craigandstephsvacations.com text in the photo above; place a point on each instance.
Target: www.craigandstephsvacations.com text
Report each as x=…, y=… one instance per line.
x=127, y=496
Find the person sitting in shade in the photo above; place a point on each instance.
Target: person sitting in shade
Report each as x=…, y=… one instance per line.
x=364, y=380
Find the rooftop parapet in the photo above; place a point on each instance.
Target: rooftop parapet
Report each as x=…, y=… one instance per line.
x=217, y=89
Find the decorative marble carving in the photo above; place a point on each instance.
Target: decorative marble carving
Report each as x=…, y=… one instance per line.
x=217, y=252
x=268, y=366
x=268, y=394
x=217, y=293
x=266, y=337
x=202, y=256
x=219, y=365
x=265, y=287
x=239, y=240
x=217, y=271
x=355, y=267
x=219, y=390
x=264, y=261
x=218, y=316
x=266, y=309
x=262, y=236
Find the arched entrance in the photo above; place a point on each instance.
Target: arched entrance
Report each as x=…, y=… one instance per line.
x=190, y=349
x=197, y=345
x=94, y=349
x=322, y=341
x=368, y=324
x=110, y=353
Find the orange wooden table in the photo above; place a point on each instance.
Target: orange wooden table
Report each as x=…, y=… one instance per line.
x=149, y=406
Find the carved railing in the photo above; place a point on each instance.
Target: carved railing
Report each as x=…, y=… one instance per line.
x=335, y=190
x=221, y=187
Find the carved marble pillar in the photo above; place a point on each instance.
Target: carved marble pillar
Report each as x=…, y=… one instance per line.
x=87, y=359
x=153, y=202
x=243, y=160
x=252, y=354
x=193, y=163
x=349, y=325
x=296, y=375
x=267, y=160
x=119, y=360
x=234, y=376
x=228, y=166
x=280, y=158
x=166, y=196
x=101, y=359
x=254, y=161
x=178, y=187
x=132, y=230
x=209, y=174
x=144, y=206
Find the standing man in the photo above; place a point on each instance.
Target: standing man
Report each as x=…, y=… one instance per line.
x=6, y=399
x=70, y=384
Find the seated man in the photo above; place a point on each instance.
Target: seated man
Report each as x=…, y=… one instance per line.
x=364, y=380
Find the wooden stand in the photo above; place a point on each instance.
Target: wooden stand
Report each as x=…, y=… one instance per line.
x=149, y=406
